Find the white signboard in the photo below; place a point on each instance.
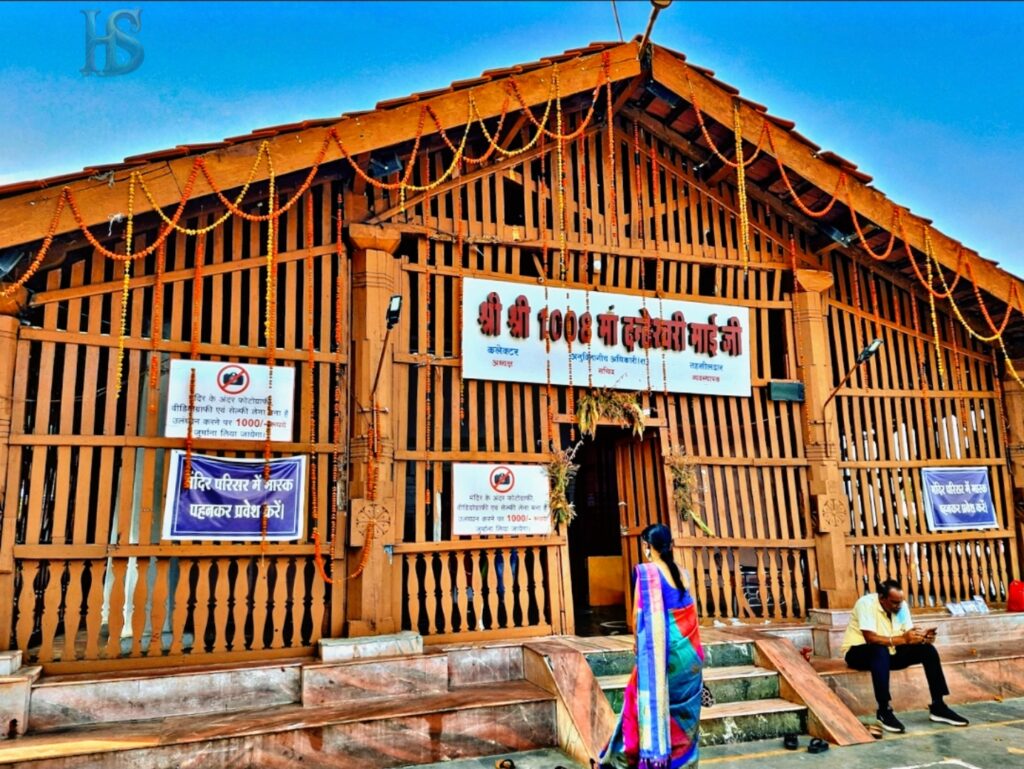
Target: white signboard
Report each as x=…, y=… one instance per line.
x=231, y=401
x=500, y=499
x=621, y=341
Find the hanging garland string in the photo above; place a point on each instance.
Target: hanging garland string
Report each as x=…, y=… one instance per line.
x=919, y=356
x=314, y=458
x=935, y=331
x=712, y=145
x=741, y=185
x=186, y=481
x=125, y=289
x=156, y=329
x=270, y=333
x=640, y=232
x=964, y=267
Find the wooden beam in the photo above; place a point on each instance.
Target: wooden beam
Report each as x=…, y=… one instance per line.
x=27, y=216
x=801, y=159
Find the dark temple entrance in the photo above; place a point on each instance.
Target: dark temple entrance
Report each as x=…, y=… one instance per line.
x=595, y=540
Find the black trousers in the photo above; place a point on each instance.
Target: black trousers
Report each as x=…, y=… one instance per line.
x=879, y=661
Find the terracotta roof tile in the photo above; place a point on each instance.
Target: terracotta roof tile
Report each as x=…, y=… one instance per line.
x=16, y=187
x=469, y=82
x=146, y=157
x=502, y=71
x=397, y=102
x=202, y=147
x=780, y=121
x=53, y=181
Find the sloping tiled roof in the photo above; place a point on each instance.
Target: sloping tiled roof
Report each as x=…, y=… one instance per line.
x=184, y=150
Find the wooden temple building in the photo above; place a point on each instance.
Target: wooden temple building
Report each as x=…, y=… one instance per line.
x=599, y=229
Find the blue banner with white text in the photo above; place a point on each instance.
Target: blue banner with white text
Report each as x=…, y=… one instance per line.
x=958, y=498
x=226, y=497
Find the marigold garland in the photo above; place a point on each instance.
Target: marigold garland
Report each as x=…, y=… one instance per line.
x=125, y=289
x=935, y=330
x=156, y=329
x=918, y=344
x=186, y=481
x=270, y=332
x=197, y=295
x=712, y=145
x=741, y=184
x=840, y=182
x=172, y=223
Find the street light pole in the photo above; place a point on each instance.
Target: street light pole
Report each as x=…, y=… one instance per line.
x=862, y=357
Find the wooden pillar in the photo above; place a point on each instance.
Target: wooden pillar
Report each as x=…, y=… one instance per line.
x=374, y=280
x=821, y=441
x=1013, y=406
x=9, y=326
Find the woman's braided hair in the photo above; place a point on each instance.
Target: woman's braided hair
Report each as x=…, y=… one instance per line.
x=659, y=538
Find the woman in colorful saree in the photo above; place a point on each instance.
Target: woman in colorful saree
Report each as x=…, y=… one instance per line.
x=660, y=717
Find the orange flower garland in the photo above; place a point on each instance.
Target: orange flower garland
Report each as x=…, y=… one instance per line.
x=125, y=288
x=172, y=222
x=156, y=328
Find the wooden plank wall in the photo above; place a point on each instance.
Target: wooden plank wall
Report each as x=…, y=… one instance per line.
x=94, y=585
x=96, y=588
x=669, y=227
x=904, y=415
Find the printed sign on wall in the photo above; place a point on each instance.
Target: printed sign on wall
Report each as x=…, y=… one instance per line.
x=621, y=341
x=225, y=498
x=231, y=401
x=500, y=499
x=958, y=498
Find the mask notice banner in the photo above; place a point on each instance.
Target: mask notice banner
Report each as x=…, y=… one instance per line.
x=500, y=499
x=225, y=499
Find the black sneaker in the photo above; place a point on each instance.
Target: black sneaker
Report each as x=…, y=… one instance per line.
x=888, y=721
x=944, y=715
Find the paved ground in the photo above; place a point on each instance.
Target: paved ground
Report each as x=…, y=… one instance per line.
x=994, y=740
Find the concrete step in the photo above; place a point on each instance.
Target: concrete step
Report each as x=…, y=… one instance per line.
x=399, y=731
x=717, y=654
x=734, y=683
x=732, y=722
x=60, y=702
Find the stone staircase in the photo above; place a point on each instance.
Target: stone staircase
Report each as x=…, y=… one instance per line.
x=355, y=714
x=748, y=700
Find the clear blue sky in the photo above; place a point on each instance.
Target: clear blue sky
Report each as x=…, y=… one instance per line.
x=927, y=97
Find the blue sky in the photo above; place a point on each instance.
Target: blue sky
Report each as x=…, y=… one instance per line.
x=926, y=97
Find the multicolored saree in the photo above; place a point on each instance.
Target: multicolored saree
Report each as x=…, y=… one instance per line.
x=660, y=716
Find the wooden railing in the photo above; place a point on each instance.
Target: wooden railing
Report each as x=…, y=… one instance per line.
x=466, y=590
x=750, y=580
x=939, y=568
x=143, y=606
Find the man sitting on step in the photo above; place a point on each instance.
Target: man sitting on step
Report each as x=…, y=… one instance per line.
x=880, y=638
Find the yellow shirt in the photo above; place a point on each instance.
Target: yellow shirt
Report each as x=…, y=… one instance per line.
x=868, y=614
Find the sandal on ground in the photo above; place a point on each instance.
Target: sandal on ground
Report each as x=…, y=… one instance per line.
x=817, y=745
x=791, y=742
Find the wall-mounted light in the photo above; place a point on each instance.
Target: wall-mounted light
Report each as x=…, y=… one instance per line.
x=862, y=357
x=394, y=310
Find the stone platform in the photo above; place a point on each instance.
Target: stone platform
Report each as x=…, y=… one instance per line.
x=982, y=656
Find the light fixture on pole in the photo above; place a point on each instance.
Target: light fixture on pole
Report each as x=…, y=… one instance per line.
x=862, y=357
x=392, y=315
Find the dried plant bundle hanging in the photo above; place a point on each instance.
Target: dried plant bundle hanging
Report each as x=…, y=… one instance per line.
x=561, y=473
x=614, y=406
x=686, y=488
